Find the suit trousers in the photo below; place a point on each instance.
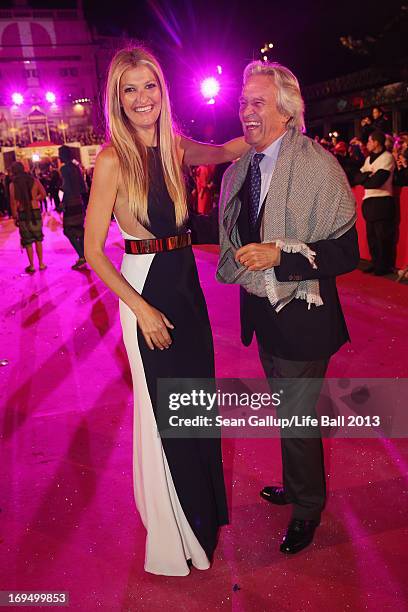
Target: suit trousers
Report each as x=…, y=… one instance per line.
x=379, y=214
x=381, y=243
x=302, y=449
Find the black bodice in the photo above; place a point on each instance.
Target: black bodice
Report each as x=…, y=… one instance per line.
x=161, y=211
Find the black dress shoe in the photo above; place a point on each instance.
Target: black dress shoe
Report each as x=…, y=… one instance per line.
x=298, y=536
x=275, y=495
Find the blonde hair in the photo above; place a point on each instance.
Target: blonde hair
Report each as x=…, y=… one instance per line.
x=132, y=152
x=289, y=98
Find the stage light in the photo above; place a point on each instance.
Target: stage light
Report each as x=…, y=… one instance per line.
x=17, y=98
x=270, y=45
x=79, y=108
x=265, y=58
x=219, y=69
x=211, y=101
x=50, y=97
x=210, y=87
x=35, y=157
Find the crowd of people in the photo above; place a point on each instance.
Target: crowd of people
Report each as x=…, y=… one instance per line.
x=352, y=154
x=56, y=137
x=378, y=161
x=25, y=196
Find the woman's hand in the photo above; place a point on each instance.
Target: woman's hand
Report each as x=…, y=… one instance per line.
x=153, y=325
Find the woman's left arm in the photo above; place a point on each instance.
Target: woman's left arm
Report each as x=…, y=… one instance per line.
x=201, y=154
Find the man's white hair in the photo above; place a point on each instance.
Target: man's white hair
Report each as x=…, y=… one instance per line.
x=289, y=98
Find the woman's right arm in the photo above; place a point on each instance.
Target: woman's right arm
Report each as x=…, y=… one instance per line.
x=105, y=183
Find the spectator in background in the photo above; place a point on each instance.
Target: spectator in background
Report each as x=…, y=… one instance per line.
x=349, y=165
x=55, y=184
x=378, y=204
x=205, y=188
x=334, y=140
x=3, y=199
x=7, y=183
x=26, y=193
x=400, y=154
x=43, y=178
x=325, y=143
x=366, y=128
x=389, y=143
x=356, y=154
x=73, y=186
x=380, y=120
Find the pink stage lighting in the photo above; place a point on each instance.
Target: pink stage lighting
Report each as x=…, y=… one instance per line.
x=210, y=88
x=17, y=98
x=50, y=97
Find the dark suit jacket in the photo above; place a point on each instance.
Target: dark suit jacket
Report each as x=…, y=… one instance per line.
x=298, y=333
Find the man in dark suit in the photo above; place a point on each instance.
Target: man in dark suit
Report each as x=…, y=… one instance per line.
x=287, y=229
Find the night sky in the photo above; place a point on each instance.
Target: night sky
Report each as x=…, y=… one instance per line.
x=191, y=37
x=305, y=34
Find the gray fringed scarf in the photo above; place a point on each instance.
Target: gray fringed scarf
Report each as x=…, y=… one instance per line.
x=309, y=199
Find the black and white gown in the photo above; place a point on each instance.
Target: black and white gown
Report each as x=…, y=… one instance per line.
x=178, y=483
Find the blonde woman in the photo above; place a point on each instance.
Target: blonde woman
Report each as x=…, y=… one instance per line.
x=178, y=483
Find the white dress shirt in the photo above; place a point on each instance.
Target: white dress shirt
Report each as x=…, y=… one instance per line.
x=267, y=166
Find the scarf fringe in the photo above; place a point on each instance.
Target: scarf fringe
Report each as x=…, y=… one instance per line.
x=295, y=246
x=311, y=298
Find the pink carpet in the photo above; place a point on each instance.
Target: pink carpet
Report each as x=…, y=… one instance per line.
x=68, y=519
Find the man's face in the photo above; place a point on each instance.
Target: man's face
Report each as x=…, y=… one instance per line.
x=376, y=113
x=372, y=145
x=262, y=123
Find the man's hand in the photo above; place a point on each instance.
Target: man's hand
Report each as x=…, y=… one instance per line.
x=257, y=257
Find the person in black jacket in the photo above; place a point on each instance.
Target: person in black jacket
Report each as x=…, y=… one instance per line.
x=54, y=186
x=380, y=120
x=296, y=335
x=73, y=186
x=366, y=128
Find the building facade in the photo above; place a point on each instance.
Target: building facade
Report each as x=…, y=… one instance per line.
x=339, y=104
x=51, y=70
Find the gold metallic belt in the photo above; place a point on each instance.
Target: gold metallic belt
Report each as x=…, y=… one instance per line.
x=157, y=245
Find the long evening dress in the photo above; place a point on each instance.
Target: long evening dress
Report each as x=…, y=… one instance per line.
x=178, y=483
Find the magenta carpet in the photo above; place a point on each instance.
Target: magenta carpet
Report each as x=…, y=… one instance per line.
x=68, y=519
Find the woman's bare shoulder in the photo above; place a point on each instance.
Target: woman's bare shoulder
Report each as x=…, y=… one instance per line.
x=108, y=157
